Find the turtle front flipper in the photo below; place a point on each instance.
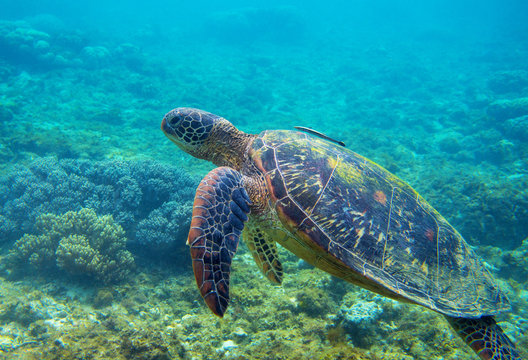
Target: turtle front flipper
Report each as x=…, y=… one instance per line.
x=485, y=337
x=221, y=206
x=264, y=251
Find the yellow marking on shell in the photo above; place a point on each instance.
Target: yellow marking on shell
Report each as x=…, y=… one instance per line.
x=349, y=173
x=408, y=251
x=360, y=233
x=301, y=157
x=332, y=162
x=319, y=150
x=386, y=175
x=425, y=268
x=389, y=261
x=357, y=213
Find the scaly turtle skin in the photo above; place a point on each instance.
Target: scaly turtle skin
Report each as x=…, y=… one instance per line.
x=338, y=211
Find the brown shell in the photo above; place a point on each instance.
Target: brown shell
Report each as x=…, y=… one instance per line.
x=354, y=219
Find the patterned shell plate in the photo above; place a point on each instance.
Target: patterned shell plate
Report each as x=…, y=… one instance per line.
x=373, y=225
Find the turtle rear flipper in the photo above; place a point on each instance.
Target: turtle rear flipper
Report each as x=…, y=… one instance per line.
x=485, y=337
x=264, y=251
x=221, y=206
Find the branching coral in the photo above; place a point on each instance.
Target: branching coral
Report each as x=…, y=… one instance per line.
x=150, y=200
x=163, y=225
x=78, y=242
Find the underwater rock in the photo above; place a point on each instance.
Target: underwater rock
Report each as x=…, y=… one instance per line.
x=494, y=212
x=79, y=243
x=516, y=262
x=130, y=191
x=133, y=58
x=96, y=56
x=23, y=44
x=355, y=312
x=141, y=88
x=22, y=313
x=313, y=301
x=502, y=110
x=508, y=81
x=227, y=345
x=31, y=307
x=360, y=314
x=450, y=142
x=240, y=333
x=6, y=71
x=103, y=298
x=151, y=345
x=342, y=351
x=500, y=152
x=517, y=128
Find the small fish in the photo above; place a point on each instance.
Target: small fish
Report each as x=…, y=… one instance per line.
x=321, y=135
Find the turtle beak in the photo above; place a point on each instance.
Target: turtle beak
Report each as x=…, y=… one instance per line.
x=164, y=125
x=168, y=130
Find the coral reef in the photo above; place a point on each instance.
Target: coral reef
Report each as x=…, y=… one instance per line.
x=516, y=261
x=361, y=315
x=150, y=200
x=313, y=301
x=163, y=226
x=517, y=128
x=483, y=210
x=354, y=311
x=502, y=110
x=508, y=263
x=104, y=297
x=79, y=243
x=508, y=81
x=22, y=43
x=43, y=42
x=159, y=314
x=95, y=56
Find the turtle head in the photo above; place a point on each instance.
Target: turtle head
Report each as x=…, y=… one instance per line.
x=205, y=136
x=188, y=128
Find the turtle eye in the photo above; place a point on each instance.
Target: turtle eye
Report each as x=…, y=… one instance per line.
x=171, y=120
x=175, y=121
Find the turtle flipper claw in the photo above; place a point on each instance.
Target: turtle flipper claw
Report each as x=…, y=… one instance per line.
x=221, y=207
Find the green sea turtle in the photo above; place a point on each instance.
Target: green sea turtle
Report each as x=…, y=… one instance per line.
x=339, y=212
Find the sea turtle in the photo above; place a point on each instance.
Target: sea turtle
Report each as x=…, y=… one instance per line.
x=339, y=212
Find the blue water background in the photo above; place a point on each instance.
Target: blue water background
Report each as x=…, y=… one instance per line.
x=435, y=91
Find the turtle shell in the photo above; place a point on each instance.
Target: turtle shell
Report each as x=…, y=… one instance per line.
x=354, y=219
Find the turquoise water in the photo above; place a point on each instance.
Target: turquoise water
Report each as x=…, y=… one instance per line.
x=436, y=92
